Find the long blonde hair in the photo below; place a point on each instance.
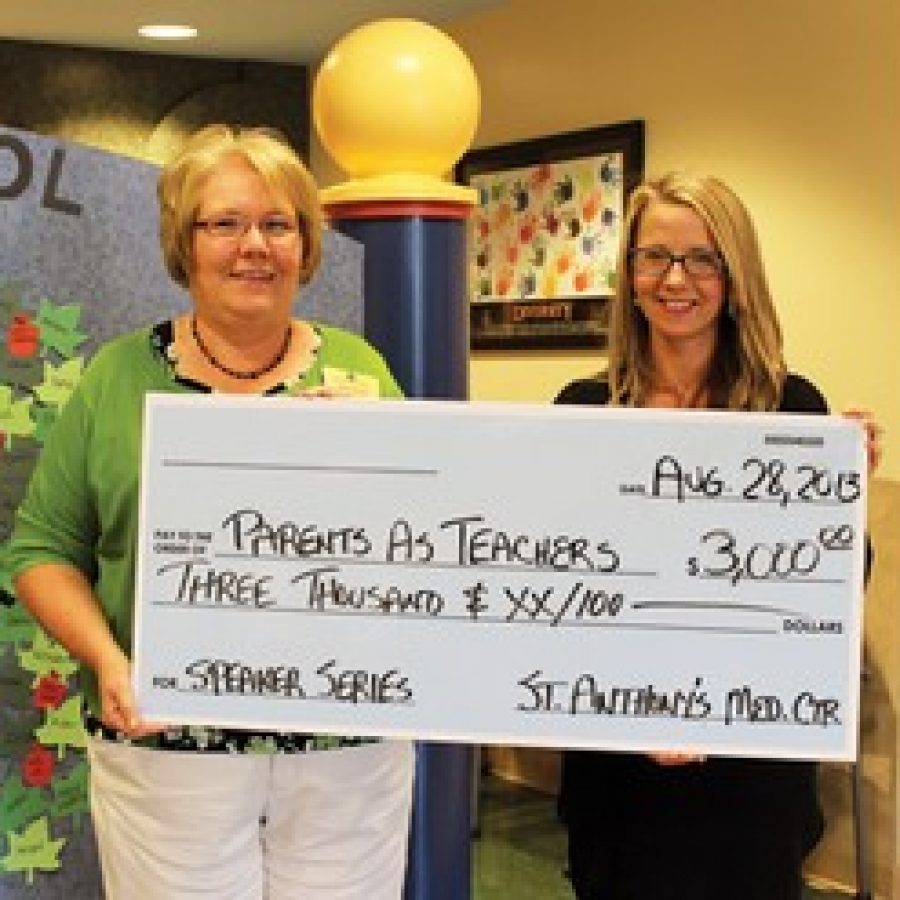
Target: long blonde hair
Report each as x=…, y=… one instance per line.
x=748, y=366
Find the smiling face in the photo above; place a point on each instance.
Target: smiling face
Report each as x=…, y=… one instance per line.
x=247, y=278
x=678, y=307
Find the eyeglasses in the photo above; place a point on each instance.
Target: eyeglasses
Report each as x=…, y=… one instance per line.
x=232, y=228
x=655, y=262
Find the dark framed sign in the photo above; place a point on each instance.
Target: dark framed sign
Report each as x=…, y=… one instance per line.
x=545, y=235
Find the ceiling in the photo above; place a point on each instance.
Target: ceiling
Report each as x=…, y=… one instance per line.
x=293, y=31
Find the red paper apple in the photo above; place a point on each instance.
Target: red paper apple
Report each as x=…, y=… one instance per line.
x=37, y=767
x=50, y=692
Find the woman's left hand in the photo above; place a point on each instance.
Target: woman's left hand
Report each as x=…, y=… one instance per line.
x=873, y=430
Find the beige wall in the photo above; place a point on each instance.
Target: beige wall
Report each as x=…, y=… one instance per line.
x=793, y=102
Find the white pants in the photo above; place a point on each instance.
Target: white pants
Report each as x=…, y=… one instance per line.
x=173, y=825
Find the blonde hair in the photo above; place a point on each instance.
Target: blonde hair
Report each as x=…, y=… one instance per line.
x=269, y=154
x=748, y=366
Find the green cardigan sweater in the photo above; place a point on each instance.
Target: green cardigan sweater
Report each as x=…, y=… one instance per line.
x=81, y=506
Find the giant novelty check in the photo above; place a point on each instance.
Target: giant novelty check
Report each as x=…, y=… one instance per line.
x=491, y=573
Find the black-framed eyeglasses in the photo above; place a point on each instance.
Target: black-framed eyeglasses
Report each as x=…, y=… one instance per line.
x=655, y=262
x=233, y=227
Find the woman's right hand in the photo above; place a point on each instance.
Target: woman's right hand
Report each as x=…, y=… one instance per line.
x=118, y=709
x=61, y=598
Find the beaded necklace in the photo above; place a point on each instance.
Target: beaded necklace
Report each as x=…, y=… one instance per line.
x=234, y=373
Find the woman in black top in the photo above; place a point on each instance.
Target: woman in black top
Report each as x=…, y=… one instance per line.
x=693, y=327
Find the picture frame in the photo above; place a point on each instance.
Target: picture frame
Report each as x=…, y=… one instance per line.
x=544, y=235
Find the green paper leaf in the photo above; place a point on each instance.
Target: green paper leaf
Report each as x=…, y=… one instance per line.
x=63, y=727
x=70, y=794
x=32, y=849
x=20, y=804
x=45, y=656
x=59, y=382
x=59, y=327
x=15, y=415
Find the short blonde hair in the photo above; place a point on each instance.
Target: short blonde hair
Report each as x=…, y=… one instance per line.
x=748, y=368
x=269, y=154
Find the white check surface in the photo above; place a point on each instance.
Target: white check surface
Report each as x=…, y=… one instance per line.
x=495, y=573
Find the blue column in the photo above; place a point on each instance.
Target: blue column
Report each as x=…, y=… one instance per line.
x=415, y=296
x=416, y=314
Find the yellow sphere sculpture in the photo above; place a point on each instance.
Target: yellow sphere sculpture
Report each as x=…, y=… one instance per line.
x=396, y=104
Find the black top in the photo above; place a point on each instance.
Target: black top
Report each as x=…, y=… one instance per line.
x=727, y=828
x=797, y=395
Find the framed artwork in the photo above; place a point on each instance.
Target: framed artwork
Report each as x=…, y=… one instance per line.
x=544, y=235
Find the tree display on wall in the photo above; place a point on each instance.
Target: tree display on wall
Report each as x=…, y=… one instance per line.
x=39, y=368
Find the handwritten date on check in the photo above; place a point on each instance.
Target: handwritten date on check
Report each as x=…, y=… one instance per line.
x=493, y=573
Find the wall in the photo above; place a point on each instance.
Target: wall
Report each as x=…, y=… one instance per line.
x=793, y=102
x=144, y=104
